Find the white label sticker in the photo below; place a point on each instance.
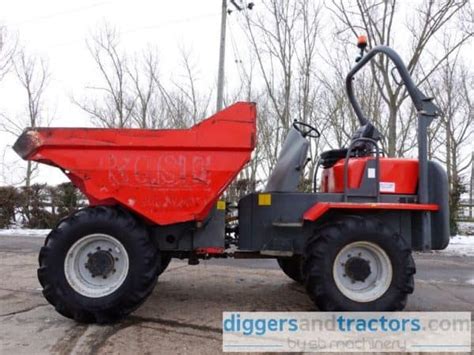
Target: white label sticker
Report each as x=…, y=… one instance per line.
x=387, y=186
x=371, y=173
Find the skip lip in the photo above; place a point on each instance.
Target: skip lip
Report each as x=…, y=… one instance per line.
x=26, y=143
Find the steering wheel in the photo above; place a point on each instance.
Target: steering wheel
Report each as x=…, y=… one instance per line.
x=306, y=130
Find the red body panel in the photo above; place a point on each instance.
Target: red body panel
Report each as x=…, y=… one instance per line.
x=397, y=176
x=166, y=176
x=321, y=208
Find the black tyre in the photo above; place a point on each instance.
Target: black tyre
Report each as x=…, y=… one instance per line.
x=358, y=264
x=292, y=267
x=98, y=265
x=165, y=261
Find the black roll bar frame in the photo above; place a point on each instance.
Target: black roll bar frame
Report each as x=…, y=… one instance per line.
x=426, y=111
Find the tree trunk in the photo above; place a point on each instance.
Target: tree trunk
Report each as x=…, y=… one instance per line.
x=471, y=187
x=392, y=132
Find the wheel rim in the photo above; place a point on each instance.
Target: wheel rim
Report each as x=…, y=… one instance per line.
x=96, y=265
x=362, y=271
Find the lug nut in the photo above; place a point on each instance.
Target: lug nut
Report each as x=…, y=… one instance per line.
x=98, y=248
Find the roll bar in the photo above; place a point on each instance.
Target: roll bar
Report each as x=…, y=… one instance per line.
x=426, y=111
x=421, y=102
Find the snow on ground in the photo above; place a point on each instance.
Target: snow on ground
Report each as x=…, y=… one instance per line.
x=466, y=228
x=41, y=233
x=462, y=245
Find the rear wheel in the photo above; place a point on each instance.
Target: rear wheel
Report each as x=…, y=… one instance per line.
x=165, y=261
x=98, y=265
x=358, y=264
x=292, y=267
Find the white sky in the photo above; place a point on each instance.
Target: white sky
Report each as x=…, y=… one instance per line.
x=57, y=29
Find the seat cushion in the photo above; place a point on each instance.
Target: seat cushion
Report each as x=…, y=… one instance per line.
x=331, y=157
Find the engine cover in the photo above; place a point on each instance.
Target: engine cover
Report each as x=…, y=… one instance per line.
x=397, y=176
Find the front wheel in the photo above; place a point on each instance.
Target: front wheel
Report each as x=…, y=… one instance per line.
x=358, y=264
x=98, y=265
x=292, y=267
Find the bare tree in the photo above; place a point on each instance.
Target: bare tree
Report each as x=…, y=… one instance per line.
x=308, y=90
x=283, y=40
x=339, y=123
x=143, y=73
x=376, y=19
x=453, y=86
x=8, y=46
x=272, y=37
x=33, y=75
x=183, y=103
x=197, y=104
x=112, y=104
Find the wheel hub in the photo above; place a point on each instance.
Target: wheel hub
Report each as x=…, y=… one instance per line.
x=358, y=269
x=96, y=265
x=100, y=263
x=362, y=271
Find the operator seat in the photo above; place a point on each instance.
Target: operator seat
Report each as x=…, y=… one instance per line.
x=361, y=149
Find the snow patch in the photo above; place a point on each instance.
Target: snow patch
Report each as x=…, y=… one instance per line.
x=462, y=245
x=466, y=228
x=39, y=233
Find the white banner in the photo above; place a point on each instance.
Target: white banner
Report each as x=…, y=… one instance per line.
x=346, y=331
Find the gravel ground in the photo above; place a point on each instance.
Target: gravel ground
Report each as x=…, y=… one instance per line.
x=184, y=313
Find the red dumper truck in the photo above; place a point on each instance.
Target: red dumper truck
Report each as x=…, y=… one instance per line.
x=155, y=195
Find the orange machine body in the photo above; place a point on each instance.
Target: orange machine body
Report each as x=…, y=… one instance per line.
x=397, y=176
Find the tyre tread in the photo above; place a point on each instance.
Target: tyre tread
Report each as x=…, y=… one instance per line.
x=130, y=300
x=327, y=236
